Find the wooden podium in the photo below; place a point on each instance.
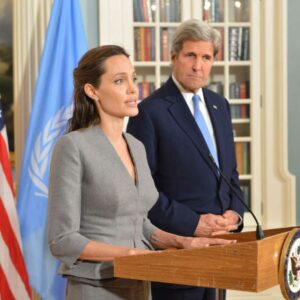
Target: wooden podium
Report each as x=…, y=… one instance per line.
x=248, y=265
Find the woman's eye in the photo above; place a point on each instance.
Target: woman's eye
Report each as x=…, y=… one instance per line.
x=119, y=81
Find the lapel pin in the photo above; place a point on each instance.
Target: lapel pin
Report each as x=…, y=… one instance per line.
x=215, y=106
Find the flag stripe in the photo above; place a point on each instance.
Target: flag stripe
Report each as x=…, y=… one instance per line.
x=5, y=292
x=13, y=246
x=5, y=162
x=15, y=282
x=9, y=204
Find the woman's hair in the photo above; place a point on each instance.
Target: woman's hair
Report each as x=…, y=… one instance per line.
x=195, y=30
x=90, y=69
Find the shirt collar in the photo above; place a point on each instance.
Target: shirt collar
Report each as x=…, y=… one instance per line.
x=186, y=94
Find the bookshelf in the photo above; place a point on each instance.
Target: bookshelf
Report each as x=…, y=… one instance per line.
x=259, y=115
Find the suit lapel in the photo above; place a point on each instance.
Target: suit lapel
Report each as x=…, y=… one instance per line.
x=183, y=117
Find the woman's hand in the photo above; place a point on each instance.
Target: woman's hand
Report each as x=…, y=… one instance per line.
x=98, y=251
x=201, y=242
x=164, y=240
x=137, y=251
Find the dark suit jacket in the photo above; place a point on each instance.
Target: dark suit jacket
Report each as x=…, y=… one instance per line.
x=178, y=157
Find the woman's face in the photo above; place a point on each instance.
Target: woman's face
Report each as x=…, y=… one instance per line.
x=118, y=92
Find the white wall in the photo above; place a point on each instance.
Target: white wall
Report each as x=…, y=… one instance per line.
x=294, y=94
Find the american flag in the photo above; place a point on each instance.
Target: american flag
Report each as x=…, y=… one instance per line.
x=14, y=282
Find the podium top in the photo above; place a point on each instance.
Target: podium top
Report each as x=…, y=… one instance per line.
x=248, y=265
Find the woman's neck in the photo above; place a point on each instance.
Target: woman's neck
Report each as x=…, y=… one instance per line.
x=113, y=130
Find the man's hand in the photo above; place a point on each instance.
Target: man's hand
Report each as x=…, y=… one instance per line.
x=210, y=224
x=230, y=217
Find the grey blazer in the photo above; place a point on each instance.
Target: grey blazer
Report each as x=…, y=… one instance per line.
x=92, y=197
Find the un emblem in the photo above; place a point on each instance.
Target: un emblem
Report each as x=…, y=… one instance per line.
x=41, y=152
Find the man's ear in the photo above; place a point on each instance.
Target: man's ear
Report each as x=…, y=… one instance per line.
x=172, y=56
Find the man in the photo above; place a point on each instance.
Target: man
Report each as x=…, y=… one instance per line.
x=183, y=125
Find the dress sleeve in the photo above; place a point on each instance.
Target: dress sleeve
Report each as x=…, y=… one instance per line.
x=148, y=229
x=64, y=204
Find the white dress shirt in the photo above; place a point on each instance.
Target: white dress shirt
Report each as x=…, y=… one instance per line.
x=188, y=98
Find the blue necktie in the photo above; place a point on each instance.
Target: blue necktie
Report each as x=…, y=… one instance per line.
x=203, y=128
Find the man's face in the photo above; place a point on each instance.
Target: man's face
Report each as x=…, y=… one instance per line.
x=191, y=67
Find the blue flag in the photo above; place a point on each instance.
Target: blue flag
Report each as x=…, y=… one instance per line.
x=52, y=106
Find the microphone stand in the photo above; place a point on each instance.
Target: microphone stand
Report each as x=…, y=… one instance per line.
x=259, y=232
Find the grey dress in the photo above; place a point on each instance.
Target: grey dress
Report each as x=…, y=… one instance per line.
x=93, y=197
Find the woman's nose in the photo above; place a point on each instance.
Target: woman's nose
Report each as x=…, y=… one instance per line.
x=132, y=87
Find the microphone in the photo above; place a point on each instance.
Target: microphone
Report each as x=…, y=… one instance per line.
x=259, y=232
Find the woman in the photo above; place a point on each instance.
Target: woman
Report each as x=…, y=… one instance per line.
x=100, y=184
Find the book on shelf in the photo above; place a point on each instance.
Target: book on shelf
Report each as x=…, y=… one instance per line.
x=244, y=111
x=164, y=45
x=144, y=39
x=162, y=11
x=170, y=10
x=246, y=156
x=147, y=44
x=166, y=38
x=137, y=11
x=245, y=44
x=239, y=157
x=176, y=11
x=235, y=112
x=143, y=43
x=142, y=11
x=145, y=11
x=213, y=11
x=239, y=90
x=152, y=44
x=244, y=89
x=137, y=44
x=242, y=153
x=167, y=11
x=239, y=111
x=233, y=44
x=145, y=89
x=234, y=90
x=247, y=194
x=238, y=45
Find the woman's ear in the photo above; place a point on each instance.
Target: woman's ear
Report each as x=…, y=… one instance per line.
x=91, y=92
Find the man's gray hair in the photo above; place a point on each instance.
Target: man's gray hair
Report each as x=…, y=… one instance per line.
x=195, y=30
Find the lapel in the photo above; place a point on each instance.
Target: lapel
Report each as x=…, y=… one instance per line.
x=183, y=117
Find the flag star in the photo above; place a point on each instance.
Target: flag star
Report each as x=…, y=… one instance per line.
x=215, y=106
